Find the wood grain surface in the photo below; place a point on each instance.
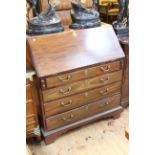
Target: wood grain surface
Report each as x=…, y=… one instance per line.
x=63, y=79
x=74, y=101
x=125, y=83
x=82, y=112
x=60, y=56
x=73, y=49
x=81, y=86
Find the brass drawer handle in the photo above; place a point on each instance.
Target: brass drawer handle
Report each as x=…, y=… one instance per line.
x=65, y=92
x=104, y=79
x=69, y=118
x=105, y=68
x=103, y=104
x=66, y=104
x=104, y=92
x=65, y=79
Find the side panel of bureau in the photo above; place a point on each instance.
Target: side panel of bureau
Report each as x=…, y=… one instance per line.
x=125, y=83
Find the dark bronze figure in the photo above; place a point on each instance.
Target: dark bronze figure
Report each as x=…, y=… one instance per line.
x=95, y=4
x=83, y=17
x=46, y=22
x=121, y=26
x=33, y=4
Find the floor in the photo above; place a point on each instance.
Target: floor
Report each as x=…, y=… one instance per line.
x=105, y=137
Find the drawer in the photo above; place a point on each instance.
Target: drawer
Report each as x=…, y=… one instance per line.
x=63, y=79
x=55, y=93
x=74, y=101
x=85, y=111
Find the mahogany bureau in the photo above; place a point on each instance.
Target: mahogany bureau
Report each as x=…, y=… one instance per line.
x=79, y=77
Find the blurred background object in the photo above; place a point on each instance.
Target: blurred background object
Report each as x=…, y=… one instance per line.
x=121, y=25
x=109, y=10
x=83, y=17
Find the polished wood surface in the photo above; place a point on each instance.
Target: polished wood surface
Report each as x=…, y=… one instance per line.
x=77, y=70
x=71, y=102
x=72, y=49
x=82, y=112
x=81, y=86
x=125, y=85
x=64, y=79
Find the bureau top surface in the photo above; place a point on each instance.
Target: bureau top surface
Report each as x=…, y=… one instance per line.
x=73, y=49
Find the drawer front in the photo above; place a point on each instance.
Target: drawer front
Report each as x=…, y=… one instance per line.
x=81, y=74
x=80, y=86
x=68, y=103
x=82, y=112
